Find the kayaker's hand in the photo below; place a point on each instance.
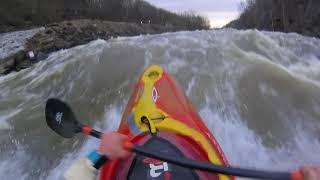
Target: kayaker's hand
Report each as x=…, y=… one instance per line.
x=310, y=173
x=111, y=145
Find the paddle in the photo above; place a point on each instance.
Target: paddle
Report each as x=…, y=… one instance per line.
x=62, y=120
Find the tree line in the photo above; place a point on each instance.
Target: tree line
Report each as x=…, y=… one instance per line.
x=24, y=13
x=300, y=16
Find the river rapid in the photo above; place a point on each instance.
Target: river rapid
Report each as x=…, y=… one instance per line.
x=258, y=92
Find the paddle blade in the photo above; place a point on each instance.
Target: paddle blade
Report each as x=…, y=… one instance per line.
x=61, y=119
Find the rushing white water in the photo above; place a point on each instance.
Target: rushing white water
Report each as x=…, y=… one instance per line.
x=258, y=92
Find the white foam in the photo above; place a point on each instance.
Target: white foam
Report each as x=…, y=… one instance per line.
x=244, y=148
x=13, y=167
x=175, y=64
x=190, y=86
x=3, y=123
x=309, y=68
x=5, y=116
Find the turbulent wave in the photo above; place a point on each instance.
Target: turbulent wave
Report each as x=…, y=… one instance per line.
x=258, y=92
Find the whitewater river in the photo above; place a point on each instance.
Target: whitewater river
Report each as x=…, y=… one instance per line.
x=258, y=92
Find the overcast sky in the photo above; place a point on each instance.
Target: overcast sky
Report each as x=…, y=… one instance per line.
x=219, y=12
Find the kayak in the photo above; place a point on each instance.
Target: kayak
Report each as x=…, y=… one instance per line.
x=160, y=118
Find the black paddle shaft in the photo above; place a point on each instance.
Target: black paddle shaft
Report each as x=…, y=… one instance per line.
x=95, y=134
x=89, y=131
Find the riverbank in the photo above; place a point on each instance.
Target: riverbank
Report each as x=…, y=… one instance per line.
x=300, y=16
x=68, y=34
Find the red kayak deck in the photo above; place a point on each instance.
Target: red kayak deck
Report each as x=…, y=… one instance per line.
x=155, y=95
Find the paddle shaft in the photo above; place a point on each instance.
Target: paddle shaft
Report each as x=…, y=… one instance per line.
x=192, y=164
x=89, y=131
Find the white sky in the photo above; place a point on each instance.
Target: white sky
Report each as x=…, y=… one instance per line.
x=219, y=12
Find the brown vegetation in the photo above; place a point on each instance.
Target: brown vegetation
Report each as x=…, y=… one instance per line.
x=22, y=14
x=301, y=16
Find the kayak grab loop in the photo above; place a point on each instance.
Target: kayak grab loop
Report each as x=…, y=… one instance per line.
x=150, y=124
x=153, y=75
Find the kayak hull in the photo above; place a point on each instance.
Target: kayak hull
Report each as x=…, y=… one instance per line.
x=159, y=107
